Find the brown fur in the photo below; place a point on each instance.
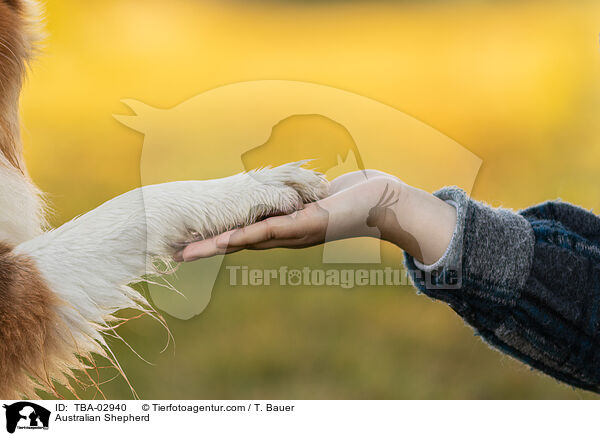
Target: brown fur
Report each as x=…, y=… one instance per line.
x=13, y=54
x=17, y=39
x=28, y=324
x=33, y=338
x=28, y=309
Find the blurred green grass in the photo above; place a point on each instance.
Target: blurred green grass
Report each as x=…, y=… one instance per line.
x=317, y=343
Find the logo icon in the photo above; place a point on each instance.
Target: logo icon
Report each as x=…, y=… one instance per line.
x=26, y=415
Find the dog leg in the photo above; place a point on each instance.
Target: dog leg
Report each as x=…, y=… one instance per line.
x=89, y=262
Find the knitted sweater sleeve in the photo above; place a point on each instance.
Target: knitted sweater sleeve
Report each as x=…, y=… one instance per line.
x=527, y=282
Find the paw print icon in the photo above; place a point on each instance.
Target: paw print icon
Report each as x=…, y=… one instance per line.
x=294, y=277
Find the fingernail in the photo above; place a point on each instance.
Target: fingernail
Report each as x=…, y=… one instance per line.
x=178, y=257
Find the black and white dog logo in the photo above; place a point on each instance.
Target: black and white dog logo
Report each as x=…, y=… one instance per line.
x=25, y=415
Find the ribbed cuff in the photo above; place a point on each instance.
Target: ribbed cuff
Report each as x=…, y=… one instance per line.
x=494, y=246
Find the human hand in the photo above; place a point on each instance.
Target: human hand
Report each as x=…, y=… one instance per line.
x=362, y=203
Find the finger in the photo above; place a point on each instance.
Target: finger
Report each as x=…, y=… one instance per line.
x=354, y=178
x=209, y=248
x=277, y=243
x=203, y=249
x=275, y=228
x=346, y=180
x=280, y=227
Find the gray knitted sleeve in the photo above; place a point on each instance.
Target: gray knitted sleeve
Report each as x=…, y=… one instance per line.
x=527, y=282
x=500, y=242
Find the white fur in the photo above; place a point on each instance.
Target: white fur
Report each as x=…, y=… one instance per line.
x=21, y=215
x=88, y=262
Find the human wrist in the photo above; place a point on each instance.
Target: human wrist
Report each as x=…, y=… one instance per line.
x=425, y=225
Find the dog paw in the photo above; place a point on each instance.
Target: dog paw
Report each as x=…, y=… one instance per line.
x=310, y=185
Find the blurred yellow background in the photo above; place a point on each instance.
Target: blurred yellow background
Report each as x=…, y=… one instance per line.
x=516, y=83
